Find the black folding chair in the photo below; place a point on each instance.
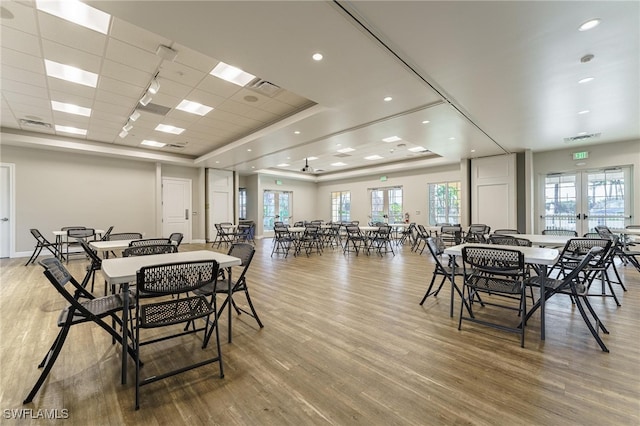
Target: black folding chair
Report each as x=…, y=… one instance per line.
x=42, y=242
x=83, y=307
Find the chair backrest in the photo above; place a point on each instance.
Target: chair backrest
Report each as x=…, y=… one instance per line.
x=435, y=249
x=38, y=236
x=603, y=231
x=580, y=246
x=175, y=278
x=384, y=231
x=149, y=250
x=299, y=223
x=105, y=236
x=125, y=236
x=176, y=238
x=311, y=231
x=508, y=240
x=591, y=235
x=96, y=261
x=245, y=252
x=497, y=261
x=572, y=276
x=452, y=232
x=353, y=230
x=506, y=231
x=66, y=228
x=150, y=242
x=59, y=277
x=560, y=232
x=479, y=228
x=81, y=233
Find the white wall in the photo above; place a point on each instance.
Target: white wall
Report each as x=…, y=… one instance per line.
x=600, y=156
x=414, y=192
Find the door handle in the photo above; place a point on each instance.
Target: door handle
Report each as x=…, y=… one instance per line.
x=186, y=214
x=4, y=219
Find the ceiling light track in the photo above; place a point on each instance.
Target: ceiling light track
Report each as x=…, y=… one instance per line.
x=350, y=11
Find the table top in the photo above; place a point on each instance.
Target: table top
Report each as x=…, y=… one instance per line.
x=533, y=255
x=115, y=244
x=122, y=270
x=627, y=231
x=544, y=240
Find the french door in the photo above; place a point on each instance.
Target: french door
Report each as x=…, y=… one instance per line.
x=581, y=201
x=277, y=208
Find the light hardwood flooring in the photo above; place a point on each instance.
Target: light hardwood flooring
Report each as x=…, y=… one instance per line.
x=345, y=342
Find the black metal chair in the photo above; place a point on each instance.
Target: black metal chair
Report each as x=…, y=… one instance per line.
x=76, y=236
x=422, y=235
x=508, y=240
x=150, y=242
x=283, y=241
x=120, y=236
x=310, y=239
x=94, y=266
x=176, y=238
x=83, y=307
x=105, y=236
x=506, y=231
x=477, y=233
x=147, y=250
x=380, y=241
x=451, y=234
x=42, y=242
x=494, y=272
x=156, y=311
x=560, y=232
x=621, y=250
x=573, y=285
x=445, y=271
x=245, y=252
x=355, y=241
x=222, y=235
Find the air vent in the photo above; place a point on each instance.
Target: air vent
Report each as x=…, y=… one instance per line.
x=154, y=109
x=264, y=87
x=341, y=155
x=35, y=123
x=176, y=146
x=580, y=138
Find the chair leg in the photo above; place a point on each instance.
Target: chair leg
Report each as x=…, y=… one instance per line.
x=586, y=319
x=34, y=255
x=428, y=292
x=48, y=362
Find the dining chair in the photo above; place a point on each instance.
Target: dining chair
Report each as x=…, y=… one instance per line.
x=147, y=250
x=95, y=264
x=310, y=239
x=74, y=236
x=451, y=234
x=574, y=285
x=560, y=232
x=150, y=242
x=355, y=240
x=494, y=272
x=283, y=241
x=506, y=231
x=421, y=237
x=380, y=241
x=447, y=272
x=82, y=307
x=621, y=250
x=477, y=233
x=176, y=238
x=42, y=242
x=121, y=236
x=156, y=311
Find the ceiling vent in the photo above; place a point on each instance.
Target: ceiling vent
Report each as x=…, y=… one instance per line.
x=35, y=123
x=176, y=146
x=580, y=138
x=154, y=109
x=341, y=155
x=264, y=87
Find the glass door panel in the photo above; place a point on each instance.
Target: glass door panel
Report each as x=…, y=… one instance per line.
x=561, y=202
x=606, y=203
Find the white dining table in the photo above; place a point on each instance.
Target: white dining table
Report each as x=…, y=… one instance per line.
x=123, y=270
x=107, y=246
x=539, y=256
x=634, y=232
x=61, y=237
x=545, y=240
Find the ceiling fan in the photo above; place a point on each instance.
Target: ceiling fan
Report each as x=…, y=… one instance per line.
x=307, y=168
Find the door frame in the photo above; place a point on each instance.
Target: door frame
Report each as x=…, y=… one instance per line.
x=187, y=238
x=12, y=208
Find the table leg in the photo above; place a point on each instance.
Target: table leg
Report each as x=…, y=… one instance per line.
x=543, y=279
x=453, y=285
x=230, y=304
x=125, y=334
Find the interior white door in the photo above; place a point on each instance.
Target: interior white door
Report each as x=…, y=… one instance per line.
x=176, y=207
x=5, y=211
x=493, y=191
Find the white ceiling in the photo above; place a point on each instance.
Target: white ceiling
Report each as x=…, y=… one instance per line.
x=490, y=77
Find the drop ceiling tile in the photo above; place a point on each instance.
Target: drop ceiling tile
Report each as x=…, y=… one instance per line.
x=68, y=98
x=132, y=56
x=241, y=95
x=291, y=98
x=21, y=60
x=16, y=98
x=184, y=117
x=126, y=74
x=21, y=41
x=193, y=59
x=69, y=34
x=205, y=98
x=57, y=85
x=24, y=18
x=17, y=87
x=120, y=87
x=67, y=55
x=73, y=120
x=237, y=120
x=276, y=107
x=110, y=108
x=116, y=99
x=96, y=135
x=174, y=89
x=218, y=86
x=37, y=129
x=136, y=36
x=163, y=99
x=181, y=73
x=107, y=118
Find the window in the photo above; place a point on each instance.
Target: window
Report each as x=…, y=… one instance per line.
x=242, y=203
x=340, y=206
x=444, y=203
x=386, y=205
x=276, y=207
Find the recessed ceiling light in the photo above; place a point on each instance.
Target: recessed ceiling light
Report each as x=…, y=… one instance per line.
x=586, y=80
x=74, y=130
x=338, y=144
x=388, y=98
x=373, y=157
x=217, y=162
x=591, y=23
x=253, y=167
x=418, y=149
x=345, y=150
x=582, y=133
x=232, y=74
x=77, y=12
x=473, y=150
x=249, y=150
x=288, y=158
x=169, y=129
x=283, y=165
x=426, y=122
x=452, y=138
x=317, y=56
x=152, y=143
x=194, y=107
x=338, y=164
x=586, y=111
x=297, y=132
x=392, y=139
x=312, y=158
x=71, y=108
x=69, y=73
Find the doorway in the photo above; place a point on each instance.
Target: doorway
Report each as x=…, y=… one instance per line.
x=7, y=227
x=580, y=201
x=176, y=207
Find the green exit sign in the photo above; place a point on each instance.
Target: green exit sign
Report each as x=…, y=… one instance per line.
x=583, y=155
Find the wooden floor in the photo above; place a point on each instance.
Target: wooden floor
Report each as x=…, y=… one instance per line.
x=345, y=342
